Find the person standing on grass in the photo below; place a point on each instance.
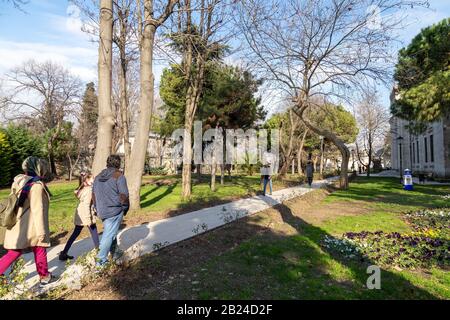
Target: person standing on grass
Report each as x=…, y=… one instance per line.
x=84, y=215
x=111, y=201
x=266, y=177
x=32, y=228
x=309, y=173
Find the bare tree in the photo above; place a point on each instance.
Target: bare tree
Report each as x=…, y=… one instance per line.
x=127, y=45
x=373, y=121
x=105, y=113
x=125, y=58
x=125, y=110
x=321, y=49
x=301, y=150
x=132, y=29
x=45, y=94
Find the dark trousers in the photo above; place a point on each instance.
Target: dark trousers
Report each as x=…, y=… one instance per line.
x=310, y=180
x=76, y=233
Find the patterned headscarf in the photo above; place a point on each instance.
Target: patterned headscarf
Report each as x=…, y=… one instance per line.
x=36, y=168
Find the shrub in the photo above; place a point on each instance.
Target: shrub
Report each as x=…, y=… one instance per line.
x=158, y=171
x=23, y=144
x=6, y=163
x=14, y=284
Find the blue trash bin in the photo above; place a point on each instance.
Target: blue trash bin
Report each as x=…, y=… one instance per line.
x=408, y=180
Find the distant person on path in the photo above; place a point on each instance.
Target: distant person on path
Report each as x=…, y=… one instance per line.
x=266, y=177
x=111, y=201
x=309, y=173
x=32, y=228
x=84, y=215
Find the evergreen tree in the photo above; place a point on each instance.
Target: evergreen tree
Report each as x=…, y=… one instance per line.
x=5, y=160
x=423, y=76
x=87, y=131
x=23, y=144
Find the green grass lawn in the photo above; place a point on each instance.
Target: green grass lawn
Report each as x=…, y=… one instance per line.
x=158, y=195
x=386, y=194
x=277, y=266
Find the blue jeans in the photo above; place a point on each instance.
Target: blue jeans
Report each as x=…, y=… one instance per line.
x=267, y=181
x=108, y=243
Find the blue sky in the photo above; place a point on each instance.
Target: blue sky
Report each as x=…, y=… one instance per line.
x=47, y=31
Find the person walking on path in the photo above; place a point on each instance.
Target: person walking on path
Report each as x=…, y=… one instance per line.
x=309, y=173
x=266, y=177
x=111, y=201
x=32, y=228
x=84, y=215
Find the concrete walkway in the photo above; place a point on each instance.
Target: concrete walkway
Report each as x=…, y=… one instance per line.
x=139, y=240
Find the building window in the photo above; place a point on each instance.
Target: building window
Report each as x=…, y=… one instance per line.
x=414, y=152
x=432, y=148
x=425, y=145
x=417, y=149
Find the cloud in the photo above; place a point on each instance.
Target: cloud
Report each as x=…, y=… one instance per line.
x=81, y=61
x=68, y=26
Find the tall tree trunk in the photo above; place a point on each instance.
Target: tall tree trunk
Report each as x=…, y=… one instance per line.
x=199, y=171
x=369, y=160
x=299, y=162
x=51, y=159
x=369, y=154
x=222, y=174
x=288, y=153
x=213, y=171
x=189, y=112
x=321, y=155
x=285, y=167
x=361, y=163
x=224, y=152
x=138, y=154
x=192, y=101
x=123, y=84
x=186, y=179
x=300, y=152
x=105, y=114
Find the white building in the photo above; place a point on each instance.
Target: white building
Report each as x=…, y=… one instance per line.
x=159, y=151
x=428, y=152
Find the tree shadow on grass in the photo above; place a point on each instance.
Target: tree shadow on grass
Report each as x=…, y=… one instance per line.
x=154, y=200
x=249, y=260
x=149, y=192
x=393, y=286
x=391, y=192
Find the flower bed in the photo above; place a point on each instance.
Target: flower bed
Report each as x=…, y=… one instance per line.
x=428, y=245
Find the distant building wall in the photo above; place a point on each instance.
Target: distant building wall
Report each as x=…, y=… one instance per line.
x=428, y=152
x=159, y=151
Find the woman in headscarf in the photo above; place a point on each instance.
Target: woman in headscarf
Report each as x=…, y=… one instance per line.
x=32, y=228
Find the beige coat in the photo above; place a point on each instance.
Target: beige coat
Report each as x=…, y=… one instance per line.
x=83, y=214
x=32, y=227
